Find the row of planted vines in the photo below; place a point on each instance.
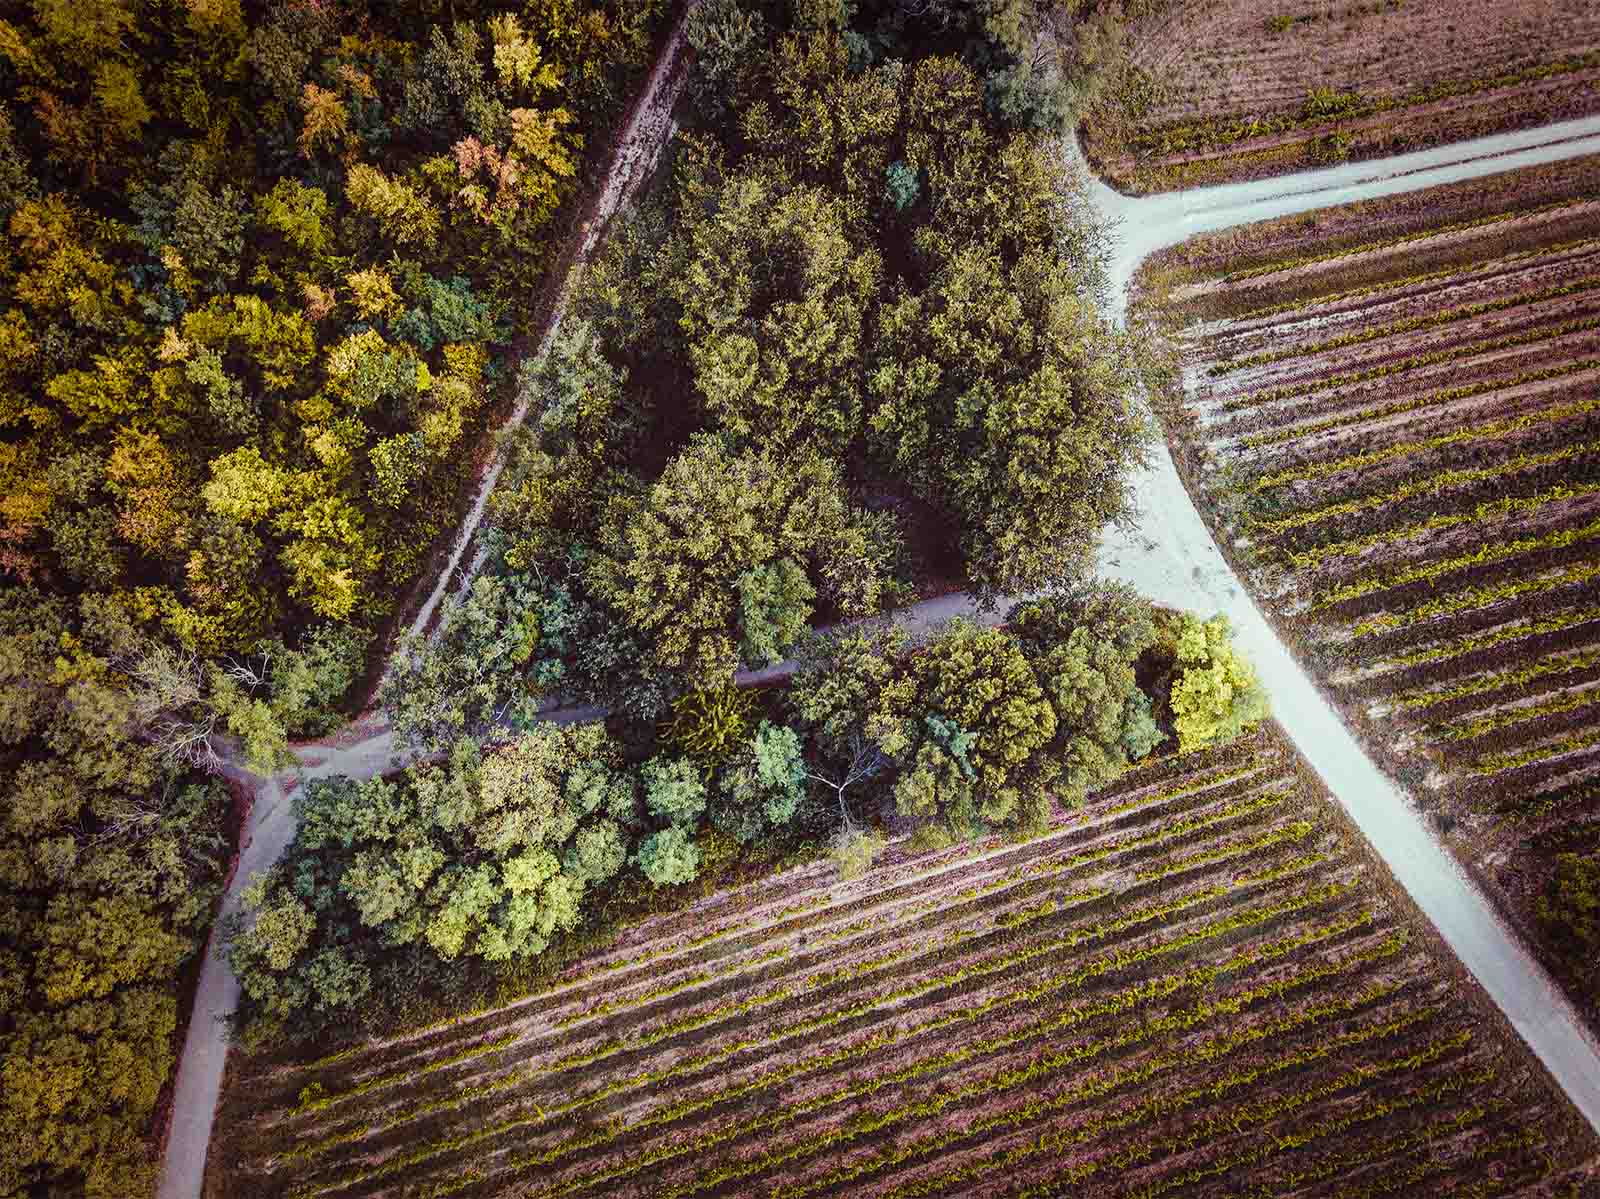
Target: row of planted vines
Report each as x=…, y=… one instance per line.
x=1392, y=412
x=1240, y=89
x=1189, y=981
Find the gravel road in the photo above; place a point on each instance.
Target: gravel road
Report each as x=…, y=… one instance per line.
x=1170, y=557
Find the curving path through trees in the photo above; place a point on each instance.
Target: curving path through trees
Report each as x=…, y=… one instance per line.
x=1170, y=556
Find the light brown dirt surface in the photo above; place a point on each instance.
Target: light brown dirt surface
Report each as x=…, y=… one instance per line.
x=1234, y=81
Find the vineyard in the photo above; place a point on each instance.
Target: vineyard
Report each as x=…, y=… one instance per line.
x=1240, y=89
x=1193, y=981
x=1393, y=412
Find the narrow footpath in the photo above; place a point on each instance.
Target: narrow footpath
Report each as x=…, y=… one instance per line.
x=1170, y=557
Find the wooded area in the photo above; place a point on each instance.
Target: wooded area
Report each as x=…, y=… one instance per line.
x=267, y=273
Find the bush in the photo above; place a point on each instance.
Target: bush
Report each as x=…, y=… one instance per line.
x=854, y=850
x=673, y=790
x=761, y=790
x=710, y=725
x=669, y=857
x=1216, y=696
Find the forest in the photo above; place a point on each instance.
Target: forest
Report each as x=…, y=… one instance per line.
x=270, y=274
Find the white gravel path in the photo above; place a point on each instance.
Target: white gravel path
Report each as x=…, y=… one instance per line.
x=1170, y=557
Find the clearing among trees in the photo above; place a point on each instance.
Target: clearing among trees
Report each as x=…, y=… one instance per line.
x=1392, y=414
x=1222, y=90
x=1193, y=978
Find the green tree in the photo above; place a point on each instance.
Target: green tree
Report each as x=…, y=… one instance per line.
x=670, y=561
x=497, y=652
x=1083, y=647
x=669, y=857
x=1004, y=395
x=723, y=34
x=673, y=790
x=773, y=295
x=487, y=855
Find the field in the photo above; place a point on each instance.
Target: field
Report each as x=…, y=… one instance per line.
x=1239, y=89
x=1194, y=986
x=1393, y=414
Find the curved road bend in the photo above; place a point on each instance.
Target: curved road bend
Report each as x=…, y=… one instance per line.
x=1177, y=563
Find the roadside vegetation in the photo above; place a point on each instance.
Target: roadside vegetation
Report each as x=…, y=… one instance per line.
x=1188, y=980
x=455, y=878
x=1211, y=94
x=1394, y=423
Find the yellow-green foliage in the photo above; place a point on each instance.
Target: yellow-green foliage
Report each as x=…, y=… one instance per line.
x=1217, y=695
x=710, y=725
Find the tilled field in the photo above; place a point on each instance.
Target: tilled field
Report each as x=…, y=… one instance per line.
x=1400, y=434
x=1194, y=986
x=1251, y=88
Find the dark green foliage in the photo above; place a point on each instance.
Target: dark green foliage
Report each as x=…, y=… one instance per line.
x=761, y=789
x=111, y=855
x=1570, y=913
x=673, y=790
x=498, y=652
x=982, y=727
x=723, y=34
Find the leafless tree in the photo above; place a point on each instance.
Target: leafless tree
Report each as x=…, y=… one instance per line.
x=866, y=760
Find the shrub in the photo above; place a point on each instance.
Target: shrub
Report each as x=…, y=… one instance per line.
x=710, y=725
x=904, y=185
x=762, y=788
x=673, y=790
x=1216, y=696
x=669, y=857
x=854, y=850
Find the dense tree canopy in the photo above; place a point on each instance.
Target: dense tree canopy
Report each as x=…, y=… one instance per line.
x=111, y=853
x=260, y=266
x=984, y=727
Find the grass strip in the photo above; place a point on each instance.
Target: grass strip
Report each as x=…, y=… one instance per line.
x=1054, y=1142
x=1499, y=763
x=1431, y=485
x=1485, y=555
x=1041, y=1067
x=1405, y=239
x=1511, y=676
x=1289, y=307
x=1385, y=370
x=1502, y=720
x=1471, y=598
x=1399, y=407
x=1511, y=505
